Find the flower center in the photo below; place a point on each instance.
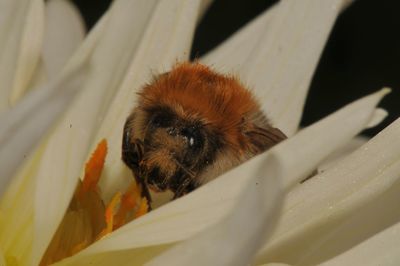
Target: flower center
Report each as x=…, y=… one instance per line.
x=88, y=218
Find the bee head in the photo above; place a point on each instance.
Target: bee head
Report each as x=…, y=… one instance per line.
x=169, y=151
x=190, y=125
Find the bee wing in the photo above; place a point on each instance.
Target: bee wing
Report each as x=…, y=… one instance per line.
x=261, y=139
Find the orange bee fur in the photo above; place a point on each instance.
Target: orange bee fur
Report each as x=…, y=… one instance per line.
x=190, y=125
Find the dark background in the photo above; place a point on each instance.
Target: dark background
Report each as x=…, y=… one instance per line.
x=361, y=56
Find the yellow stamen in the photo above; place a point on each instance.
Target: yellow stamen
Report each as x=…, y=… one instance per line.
x=128, y=204
x=94, y=167
x=143, y=208
x=87, y=219
x=109, y=215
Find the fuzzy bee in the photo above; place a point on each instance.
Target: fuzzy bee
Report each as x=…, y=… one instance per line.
x=190, y=125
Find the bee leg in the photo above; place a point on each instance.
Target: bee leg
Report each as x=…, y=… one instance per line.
x=132, y=154
x=184, y=188
x=138, y=173
x=145, y=190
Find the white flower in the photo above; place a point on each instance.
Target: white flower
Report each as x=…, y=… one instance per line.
x=331, y=218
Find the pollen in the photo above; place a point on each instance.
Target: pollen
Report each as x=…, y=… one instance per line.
x=88, y=218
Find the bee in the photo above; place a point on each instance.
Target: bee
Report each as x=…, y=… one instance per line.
x=190, y=125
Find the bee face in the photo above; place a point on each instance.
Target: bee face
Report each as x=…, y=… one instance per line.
x=190, y=125
x=171, y=152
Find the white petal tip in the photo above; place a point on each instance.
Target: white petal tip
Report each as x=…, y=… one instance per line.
x=385, y=91
x=378, y=116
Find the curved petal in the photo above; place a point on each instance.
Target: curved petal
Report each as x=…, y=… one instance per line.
x=16, y=214
x=342, y=152
x=17, y=205
x=379, y=115
x=57, y=165
x=334, y=203
x=292, y=47
x=64, y=32
x=122, y=54
x=25, y=124
x=205, y=4
x=21, y=32
x=349, y=147
x=362, y=113
x=378, y=212
x=380, y=249
x=280, y=62
x=274, y=264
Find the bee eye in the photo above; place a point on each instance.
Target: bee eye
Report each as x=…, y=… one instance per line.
x=161, y=120
x=193, y=136
x=191, y=141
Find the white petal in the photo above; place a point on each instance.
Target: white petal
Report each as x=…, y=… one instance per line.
x=16, y=217
x=2, y=259
x=380, y=249
x=378, y=212
x=17, y=205
x=25, y=124
x=277, y=54
x=379, y=115
x=39, y=78
x=274, y=264
x=205, y=4
x=30, y=48
x=64, y=32
x=237, y=237
x=339, y=204
x=21, y=32
x=137, y=36
x=361, y=111
x=342, y=152
x=349, y=147
x=184, y=217
x=283, y=63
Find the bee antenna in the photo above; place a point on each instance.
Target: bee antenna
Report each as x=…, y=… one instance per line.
x=190, y=173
